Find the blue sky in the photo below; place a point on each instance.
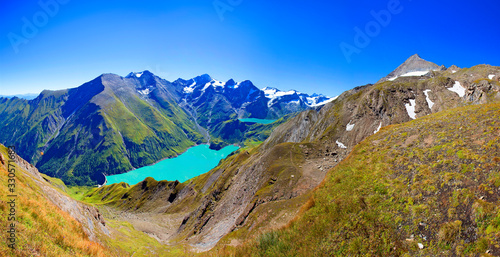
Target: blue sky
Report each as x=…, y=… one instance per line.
x=283, y=44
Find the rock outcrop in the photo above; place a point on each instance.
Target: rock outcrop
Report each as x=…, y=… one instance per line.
x=92, y=221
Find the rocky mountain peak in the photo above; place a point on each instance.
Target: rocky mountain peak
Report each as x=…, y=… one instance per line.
x=415, y=57
x=413, y=66
x=230, y=83
x=202, y=79
x=246, y=83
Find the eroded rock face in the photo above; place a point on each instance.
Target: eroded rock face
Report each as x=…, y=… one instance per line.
x=92, y=221
x=479, y=92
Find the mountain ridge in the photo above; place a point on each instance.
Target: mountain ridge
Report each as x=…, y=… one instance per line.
x=122, y=123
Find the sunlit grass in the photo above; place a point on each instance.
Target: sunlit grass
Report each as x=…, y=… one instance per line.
x=42, y=228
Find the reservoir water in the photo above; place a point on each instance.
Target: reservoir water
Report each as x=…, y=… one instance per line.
x=195, y=161
x=260, y=121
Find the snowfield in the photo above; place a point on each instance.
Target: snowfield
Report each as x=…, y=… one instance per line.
x=415, y=73
x=429, y=102
x=410, y=108
x=340, y=144
x=458, y=88
x=378, y=129
x=349, y=126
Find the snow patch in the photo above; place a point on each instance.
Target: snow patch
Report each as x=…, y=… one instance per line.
x=189, y=89
x=323, y=103
x=420, y=245
x=429, y=102
x=341, y=145
x=349, y=126
x=411, y=74
x=491, y=76
x=311, y=101
x=378, y=129
x=453, y=71
x=410, y=108
x=269, y=91
x=217, y=83
x=213, y=83
x=145, y=91
x=458, y=88
x=274, y=93
x=415, y=73
x=138, y=74
x=282, y=93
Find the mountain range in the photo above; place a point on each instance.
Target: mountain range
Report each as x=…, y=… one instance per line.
x=408, y=165
x=114, y=124
x=23, y=96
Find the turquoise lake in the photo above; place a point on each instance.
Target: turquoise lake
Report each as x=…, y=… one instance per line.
x=260, y=121
x=195, y=161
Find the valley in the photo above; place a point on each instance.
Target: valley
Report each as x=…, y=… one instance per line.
x=115, y=124
x=408, y=165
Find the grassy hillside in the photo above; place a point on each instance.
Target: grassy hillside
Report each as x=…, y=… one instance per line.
x=42, y=228
x=102, y=127
x=236, y=132
x=429, y=187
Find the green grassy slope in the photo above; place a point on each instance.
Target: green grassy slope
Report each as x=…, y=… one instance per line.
x=27, y=123
x=42, y=229
x=433, y=181
x=236, y=132
x=101, y=127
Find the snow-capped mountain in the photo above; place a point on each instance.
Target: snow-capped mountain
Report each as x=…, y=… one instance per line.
x=242, y=99
x=211, y=101
x=314, y=100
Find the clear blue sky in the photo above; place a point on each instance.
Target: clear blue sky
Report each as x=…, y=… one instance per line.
x=284, y=44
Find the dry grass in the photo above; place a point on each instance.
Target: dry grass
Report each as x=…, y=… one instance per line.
x=42, y=228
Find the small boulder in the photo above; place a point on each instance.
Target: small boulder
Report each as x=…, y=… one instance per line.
x=2, y=159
